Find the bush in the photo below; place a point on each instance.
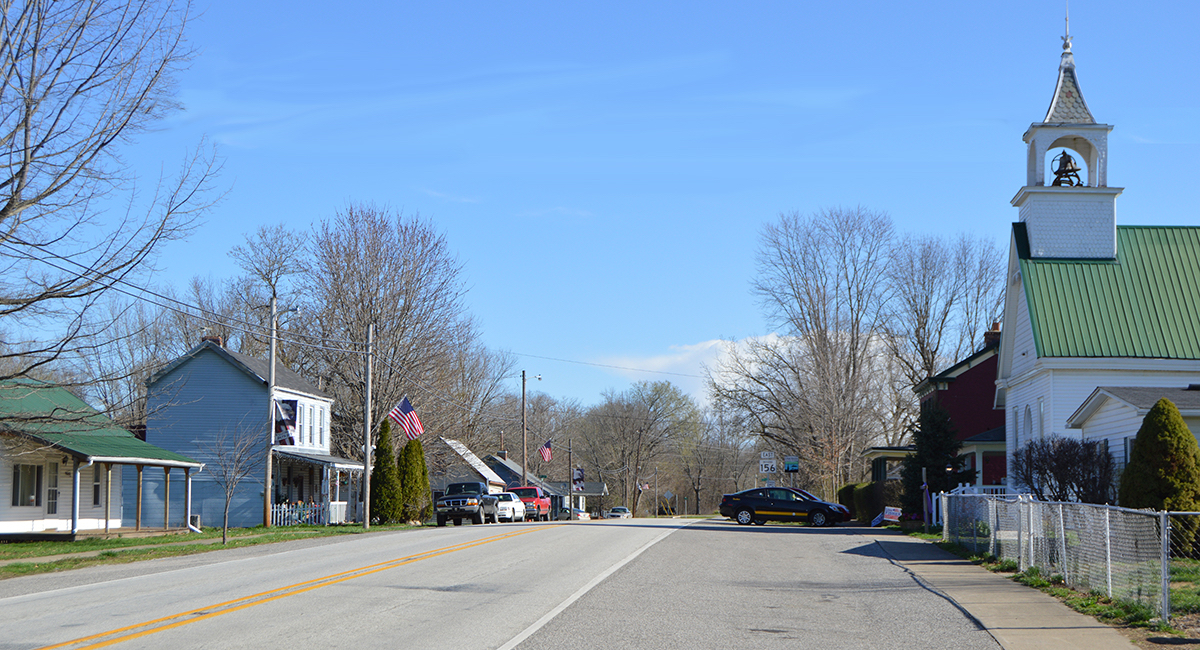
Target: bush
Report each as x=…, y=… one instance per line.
x=1064, y=469
x=870, y=498
x=937, y=447
x=415, y=497
x=385, y=484
x=845, y=496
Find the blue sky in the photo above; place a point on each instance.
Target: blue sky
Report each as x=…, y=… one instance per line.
x=603, y=170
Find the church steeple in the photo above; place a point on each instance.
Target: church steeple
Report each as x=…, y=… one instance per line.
x=1077, y=220
x=1068, y=106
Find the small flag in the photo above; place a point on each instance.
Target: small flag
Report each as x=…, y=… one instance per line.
x=406, y=417
x=546, y=452
x=577, y=480
x=285, y=422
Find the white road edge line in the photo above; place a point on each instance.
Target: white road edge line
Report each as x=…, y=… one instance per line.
x=549, y=616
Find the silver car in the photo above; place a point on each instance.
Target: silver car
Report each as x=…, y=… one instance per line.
x=509, y=507
x=618, y=512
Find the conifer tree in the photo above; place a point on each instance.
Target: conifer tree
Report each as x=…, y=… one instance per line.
x=1163, y=471
x=937, y=447
x=386, y=503
x=414, y=483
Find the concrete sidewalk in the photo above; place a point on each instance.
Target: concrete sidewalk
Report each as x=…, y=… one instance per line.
x=1018, y=617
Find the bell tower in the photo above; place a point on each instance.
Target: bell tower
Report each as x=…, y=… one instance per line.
x=1068, y=217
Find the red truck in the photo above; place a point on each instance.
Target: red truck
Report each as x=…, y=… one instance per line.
x=537, y=503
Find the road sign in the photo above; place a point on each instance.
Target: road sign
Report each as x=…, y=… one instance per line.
x=766, y=467
x=791, y=463
x=770, y=484
x=768, y=455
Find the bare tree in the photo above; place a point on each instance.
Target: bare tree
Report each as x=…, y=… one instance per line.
x=944, y=296
x=233, y=457
x=819, y=279
x=373, y=266
x=81, y=78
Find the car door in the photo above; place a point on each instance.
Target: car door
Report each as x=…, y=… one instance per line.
x=787, y=505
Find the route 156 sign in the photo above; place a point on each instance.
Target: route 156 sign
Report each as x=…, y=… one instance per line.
x=766, y=466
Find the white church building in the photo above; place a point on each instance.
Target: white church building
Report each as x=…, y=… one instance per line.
x=1099, y=319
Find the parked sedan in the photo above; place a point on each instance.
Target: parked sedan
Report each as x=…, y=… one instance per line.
x=573, y=513
x=618, y=512
x=509, y=507
x=760, y=505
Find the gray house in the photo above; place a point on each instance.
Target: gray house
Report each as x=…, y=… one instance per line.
x=212, y=397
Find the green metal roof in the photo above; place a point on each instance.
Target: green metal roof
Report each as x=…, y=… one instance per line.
x=1143, y=304
x=52, y=415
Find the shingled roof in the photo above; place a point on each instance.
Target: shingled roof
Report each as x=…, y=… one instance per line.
x=285, y=377
x=1068, y=106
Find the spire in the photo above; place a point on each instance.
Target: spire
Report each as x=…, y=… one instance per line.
x=1068, y=106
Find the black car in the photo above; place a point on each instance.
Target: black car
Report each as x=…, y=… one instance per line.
x=760, y=505
x=467, y=501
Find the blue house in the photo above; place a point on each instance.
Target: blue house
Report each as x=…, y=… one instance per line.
x=213, y=398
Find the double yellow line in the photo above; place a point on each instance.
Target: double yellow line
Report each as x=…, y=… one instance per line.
x=204, y=613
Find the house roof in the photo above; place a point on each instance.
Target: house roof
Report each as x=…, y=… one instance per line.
x=511, y=471
x=1143, y=304
x=53, y=416
x=987, y=351
x=257, y=369
x=316, y=458
x=1140, y=398
x=991, y=435
x=474, y=461
x=1067, y=105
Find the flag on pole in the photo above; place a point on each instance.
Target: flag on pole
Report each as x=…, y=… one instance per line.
x=545, y=451
x=406, y=417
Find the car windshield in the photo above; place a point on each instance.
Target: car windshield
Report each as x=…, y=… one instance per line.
x=462, y=488
x=806, y=494
x=620, y=509
x=504, y=496
x=525, y=492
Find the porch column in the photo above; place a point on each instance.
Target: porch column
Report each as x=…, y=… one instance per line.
x=978, y=466
x=187, y=497
x=75, y=497
x=166, y=496
x=107, y=495
x=137, y=525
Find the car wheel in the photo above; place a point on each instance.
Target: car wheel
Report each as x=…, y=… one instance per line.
x=818, y=518
x=441, y=521
x=458, y=522
x=744, y=517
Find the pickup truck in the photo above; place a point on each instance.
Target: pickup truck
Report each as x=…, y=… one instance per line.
x=466, y=501
x=537, y=503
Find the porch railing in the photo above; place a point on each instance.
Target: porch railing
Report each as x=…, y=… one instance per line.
x=299, y=514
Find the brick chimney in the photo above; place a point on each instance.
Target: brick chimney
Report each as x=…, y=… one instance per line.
x=213, y=339
x=991, y=338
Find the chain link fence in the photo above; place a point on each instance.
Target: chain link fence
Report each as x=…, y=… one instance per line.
x=1141, y=556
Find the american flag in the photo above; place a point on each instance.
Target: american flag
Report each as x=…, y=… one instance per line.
x=406, y=417
x=545, y=451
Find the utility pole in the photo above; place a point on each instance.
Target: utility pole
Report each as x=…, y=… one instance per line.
x=524, y=431
x=367, y=432
x=268, y=484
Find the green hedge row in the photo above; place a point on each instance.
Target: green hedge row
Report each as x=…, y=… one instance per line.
x=866, y=500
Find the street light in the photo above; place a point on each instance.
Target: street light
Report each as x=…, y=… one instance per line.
x=525, y=432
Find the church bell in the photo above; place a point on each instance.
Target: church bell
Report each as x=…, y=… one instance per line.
x=1066, y=172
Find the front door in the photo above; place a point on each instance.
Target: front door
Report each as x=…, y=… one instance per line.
x=51, y=491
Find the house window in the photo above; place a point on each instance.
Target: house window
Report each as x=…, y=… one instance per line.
x=310, y=425
x=300, y=423
x=27, y=485
x=95, y=485
x=321, y=427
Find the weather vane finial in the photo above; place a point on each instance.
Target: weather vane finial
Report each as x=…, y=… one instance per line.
x=1067, y=37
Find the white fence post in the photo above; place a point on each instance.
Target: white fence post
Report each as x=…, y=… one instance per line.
x=1062, y=544
x=1108, y=550
x=1165, y=567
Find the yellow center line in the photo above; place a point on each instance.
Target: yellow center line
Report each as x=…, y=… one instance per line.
x=203, y=613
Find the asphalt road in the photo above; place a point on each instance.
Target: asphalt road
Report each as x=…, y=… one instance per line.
x=616, y=584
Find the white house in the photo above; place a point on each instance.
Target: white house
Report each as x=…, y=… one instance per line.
x=1088, y=303
x=1114, y=414
x=63, y=457
x=212, y=395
